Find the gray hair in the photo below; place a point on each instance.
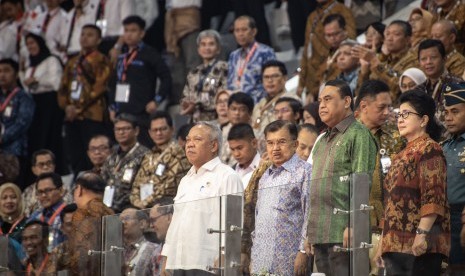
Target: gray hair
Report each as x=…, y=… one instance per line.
x=349, y=42
x=214, y=133
x=209, y=33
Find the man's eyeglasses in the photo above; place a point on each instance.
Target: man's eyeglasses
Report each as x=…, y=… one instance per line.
x=48, y=163
x=45, y=191
x=154, y=220
x=405, y=114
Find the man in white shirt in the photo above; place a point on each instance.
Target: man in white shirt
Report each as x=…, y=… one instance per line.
x=110, y=16
x=243, y=145
x=11, y=11
x=188, y=248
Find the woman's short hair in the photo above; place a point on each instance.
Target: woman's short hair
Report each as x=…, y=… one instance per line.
x=15, y=190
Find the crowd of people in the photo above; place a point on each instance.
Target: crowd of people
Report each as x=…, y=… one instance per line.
x=83, y=93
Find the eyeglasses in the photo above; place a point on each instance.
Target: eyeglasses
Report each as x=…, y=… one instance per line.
x=45, y=191
x=123, y=129
x=281, y=111
x=280, y=143
x=272, y=77
x=160, y=129
x=48, y=163
x=335, y=34
x=154, y=220
x=98, y=149
x=126, y=218
x=405, y=114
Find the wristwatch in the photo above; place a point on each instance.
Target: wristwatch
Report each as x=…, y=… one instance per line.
x=421, y=231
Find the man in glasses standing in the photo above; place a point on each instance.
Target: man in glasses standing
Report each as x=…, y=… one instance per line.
x=161, y=169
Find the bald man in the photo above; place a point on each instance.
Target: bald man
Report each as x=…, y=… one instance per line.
x=445, y=31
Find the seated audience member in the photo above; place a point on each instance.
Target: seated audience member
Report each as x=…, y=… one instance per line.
x=277, y=246
x=35, y=240
x=139, y=255
x=208, y=178
x=9, y=167
x=16, y=114
x=160, y=219
x=161, y=169
x=445, y=31
x=348, y=65
x=183, y=131
x=374, y=36
x=86, y=222
x=12, y=218
x=243, y=147
x=50, y=195
x=41, y=78
x=274, y=76
x=98, y=151
x=287, y=109
x=133, y=85
x=306, y=137
x=311, y=116
x=244, y=64
x=432, y=58
x=221, y=107
x=82, y=96
x=121, y=167
x=421, y=21
x=410, y=79
x=240, y=107
x=205, y=80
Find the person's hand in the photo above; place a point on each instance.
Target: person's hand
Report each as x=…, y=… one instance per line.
x=364, y=67
x=384, y=49
x=363, y=53
x=245, y=263
x=346, y=239
x=112, y=114
x=151, y=107
x=419, y=245
x=70, y=113
x=30, y=81
x=300, y=264
x=462, y=236
x=378, y=259
x=187, y=107
x=114, y=53
x=299, y=91
x=163, y=271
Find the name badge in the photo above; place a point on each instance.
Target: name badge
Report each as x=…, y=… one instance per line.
x=127, y=176
x=108, y=195
x=385, y=161
x=8, y=111
x=123, y=92
x=76, y=89
x=146, y=190
x=160, y=169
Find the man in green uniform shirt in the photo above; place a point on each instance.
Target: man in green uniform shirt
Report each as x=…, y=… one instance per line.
x=346, y=148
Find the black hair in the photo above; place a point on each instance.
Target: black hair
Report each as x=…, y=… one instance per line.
x=162, y=115
x=275, y=63
x=312, y=109
x=370, y=88
x=242, y=98
x=431, y=43
x=11, y=62
x=97, y=136
x=183, y=131
x=13, y=2
x=69, y=209
x=134, y=19
x=378, y=26
x=126, y=117
x=252, y=22
x=165, y=205
x=37, y=153
x=93, y=27
x=344, y=90
x=43, y=225
x=308, y=127
x=335, y=17
x=423, y=104
x=406, y=27
x=241, y=131
x=56, y=179
x=91, y=181
x=280, y=124
x=295, y=105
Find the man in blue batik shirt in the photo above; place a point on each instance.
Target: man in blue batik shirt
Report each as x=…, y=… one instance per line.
x=245, y=63
x=281, y=210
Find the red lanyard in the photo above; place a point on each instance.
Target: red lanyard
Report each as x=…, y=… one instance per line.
x=241, y=70
x=13, y=226
x=41, y=268
x=55, y=214
x=8, y=99
x=128, y=59
x=47, y=20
